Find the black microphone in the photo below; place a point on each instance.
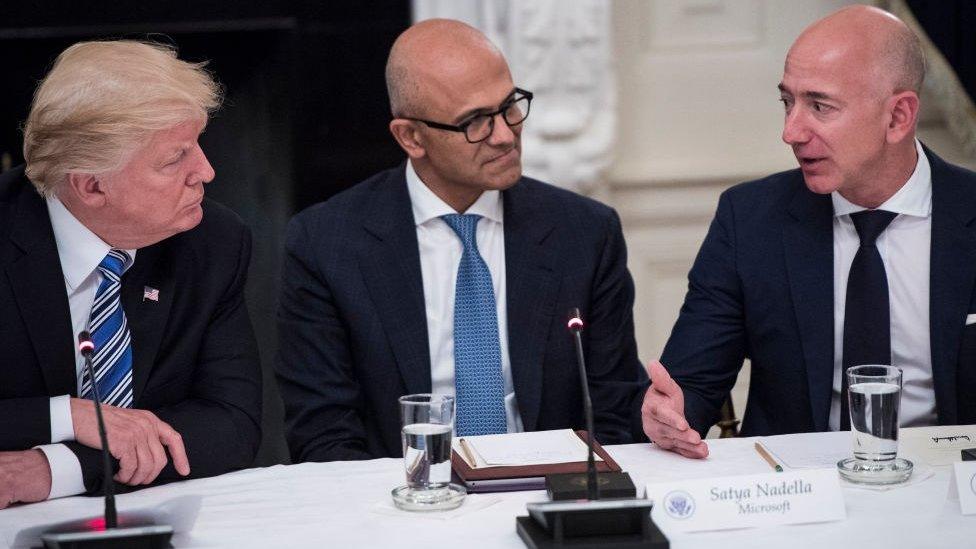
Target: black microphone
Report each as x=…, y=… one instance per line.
x=591, y=485
x=86, y=346
x=621, y=520
x=136, y=531
x=575, y=325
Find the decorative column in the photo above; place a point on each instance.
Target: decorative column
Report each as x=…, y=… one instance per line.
x=561, y=51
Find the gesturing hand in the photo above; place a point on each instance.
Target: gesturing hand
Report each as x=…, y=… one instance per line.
x=135, y=437
x=663, y=415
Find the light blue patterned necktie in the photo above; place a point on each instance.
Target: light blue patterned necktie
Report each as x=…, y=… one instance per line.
x=478, y=378
x=112, y=359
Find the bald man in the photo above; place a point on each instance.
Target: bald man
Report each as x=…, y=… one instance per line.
x=866, y=254
x=453, y=274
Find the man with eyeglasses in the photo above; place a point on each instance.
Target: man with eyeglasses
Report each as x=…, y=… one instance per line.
x=453, y=274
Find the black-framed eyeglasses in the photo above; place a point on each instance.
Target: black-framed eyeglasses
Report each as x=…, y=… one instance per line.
x=480, y=126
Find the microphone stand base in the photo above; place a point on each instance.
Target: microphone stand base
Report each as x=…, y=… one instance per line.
x=134, y=537
x=600, y=524
x=572, y=486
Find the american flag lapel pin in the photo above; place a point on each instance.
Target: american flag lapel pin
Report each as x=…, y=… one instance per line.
x=150, y=294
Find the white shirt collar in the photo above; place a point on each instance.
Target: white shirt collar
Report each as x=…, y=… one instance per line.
x=427, y=205
x=79, y=249
x=914, y=198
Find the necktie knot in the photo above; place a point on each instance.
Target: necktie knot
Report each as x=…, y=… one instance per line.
x=465, y=226
x=870, y=224
x=115, y=262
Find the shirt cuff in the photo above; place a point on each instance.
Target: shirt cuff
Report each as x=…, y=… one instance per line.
x=62, y=428
x=66, y=479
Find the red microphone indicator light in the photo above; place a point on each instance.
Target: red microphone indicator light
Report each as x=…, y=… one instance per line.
x=85, y=344
x=575, y=323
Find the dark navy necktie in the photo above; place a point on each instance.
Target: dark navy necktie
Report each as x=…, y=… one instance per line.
x=867, y=314
x=477, y=354
x=112, y=360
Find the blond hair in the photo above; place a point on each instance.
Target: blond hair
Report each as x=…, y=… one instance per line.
x=102, y=100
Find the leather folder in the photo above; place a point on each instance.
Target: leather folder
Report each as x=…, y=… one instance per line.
x=503, y=472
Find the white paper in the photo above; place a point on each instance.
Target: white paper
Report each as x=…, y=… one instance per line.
x=963, y=486
x=532, y=448
x=937, y=445
x=747, y=501
x=810, y=450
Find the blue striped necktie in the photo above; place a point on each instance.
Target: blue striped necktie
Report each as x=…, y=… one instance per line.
x=478, y=378
x=112, y=359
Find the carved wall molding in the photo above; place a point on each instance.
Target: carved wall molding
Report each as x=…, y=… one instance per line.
x=562, y=52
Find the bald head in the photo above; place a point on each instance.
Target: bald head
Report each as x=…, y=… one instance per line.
x=871, y=41
x=430, y=53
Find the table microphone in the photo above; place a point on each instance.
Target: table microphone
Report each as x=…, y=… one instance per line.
x=619, y=520
x=95, y=534
x=86, y=346
x=566, y=486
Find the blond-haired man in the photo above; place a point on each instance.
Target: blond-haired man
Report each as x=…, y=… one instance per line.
x=106, y=229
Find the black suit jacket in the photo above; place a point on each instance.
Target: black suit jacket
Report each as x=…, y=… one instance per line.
x=353, y=328
x=195, y=360
x=762, y=287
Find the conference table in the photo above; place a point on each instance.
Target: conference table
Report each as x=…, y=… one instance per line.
x=348, y=504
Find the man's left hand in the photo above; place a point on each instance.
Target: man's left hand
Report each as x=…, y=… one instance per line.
x=25, y=477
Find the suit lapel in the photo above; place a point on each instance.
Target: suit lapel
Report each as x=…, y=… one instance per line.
x=390, y=265
x=146, y=318
x=953, y=270
x=531, y=294
x=808, y=247
x=38, y=285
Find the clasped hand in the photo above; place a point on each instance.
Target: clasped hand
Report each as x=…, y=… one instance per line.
x=135, y=437
x=663, y=415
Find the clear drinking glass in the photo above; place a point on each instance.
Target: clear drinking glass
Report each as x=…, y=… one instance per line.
x=427, y=421
x=874, y=396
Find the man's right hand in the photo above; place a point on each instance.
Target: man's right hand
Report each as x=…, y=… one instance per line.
x=135, y=437
x=663, y=415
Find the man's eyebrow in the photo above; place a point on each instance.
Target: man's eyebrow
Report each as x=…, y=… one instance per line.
x=815, y=95
x=819, y=96
x=481, y=110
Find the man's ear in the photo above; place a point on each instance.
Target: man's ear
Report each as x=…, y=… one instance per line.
x=408, y=137
x=85, y=188
x=904, y=116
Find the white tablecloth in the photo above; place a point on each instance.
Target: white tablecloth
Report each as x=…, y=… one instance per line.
x=346, y=504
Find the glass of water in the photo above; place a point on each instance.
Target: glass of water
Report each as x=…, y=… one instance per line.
x=874, y=396
x=427, y=421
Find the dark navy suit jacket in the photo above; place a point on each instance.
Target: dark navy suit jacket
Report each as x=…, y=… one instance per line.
x=194, y=357
x=762, y=288
x=353, y=329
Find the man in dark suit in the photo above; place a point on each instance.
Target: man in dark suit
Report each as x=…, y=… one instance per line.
x=865, y=255
x=452, y=274
x=107, y=231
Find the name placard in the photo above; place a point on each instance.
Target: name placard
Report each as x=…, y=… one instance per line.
x=722, y=503
x=964, y=485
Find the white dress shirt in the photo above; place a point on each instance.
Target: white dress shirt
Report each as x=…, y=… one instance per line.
x=80, y=252
x=440, y=256
x=905, y=250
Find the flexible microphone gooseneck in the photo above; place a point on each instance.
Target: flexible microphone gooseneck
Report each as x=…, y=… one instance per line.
x=575, y=325
x=85, y=347
x=137, y=530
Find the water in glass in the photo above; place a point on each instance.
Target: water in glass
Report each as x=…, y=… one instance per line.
x=874, y=420
x=427, y=455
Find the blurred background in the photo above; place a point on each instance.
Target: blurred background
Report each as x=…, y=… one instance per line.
x=653, y=106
